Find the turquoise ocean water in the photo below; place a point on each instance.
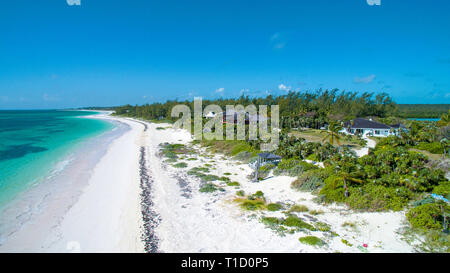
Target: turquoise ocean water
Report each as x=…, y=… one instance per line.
x=425, y=119
x=33, y=145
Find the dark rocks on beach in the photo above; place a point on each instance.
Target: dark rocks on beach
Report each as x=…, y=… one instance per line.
x=150, y=218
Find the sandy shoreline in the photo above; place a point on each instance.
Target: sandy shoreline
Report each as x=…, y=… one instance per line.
x=107, y=217
x=99, y=211
x=134, y=201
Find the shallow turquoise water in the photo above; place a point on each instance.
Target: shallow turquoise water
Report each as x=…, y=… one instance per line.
x=425, y=119
x=34, y=144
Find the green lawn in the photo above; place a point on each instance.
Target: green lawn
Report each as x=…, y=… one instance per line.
x=314, y=135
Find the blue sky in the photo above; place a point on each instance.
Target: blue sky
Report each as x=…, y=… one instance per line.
x=115, y=52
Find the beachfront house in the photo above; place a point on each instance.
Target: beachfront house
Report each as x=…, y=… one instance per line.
x=233, y=117
x=366, y=127
x=210, y=115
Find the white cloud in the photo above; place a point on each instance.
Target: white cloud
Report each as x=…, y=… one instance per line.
x=220, y=90
x=277, y=41
x=367, y=79
x=283, y=87
x=48, y=97
x=73, y=2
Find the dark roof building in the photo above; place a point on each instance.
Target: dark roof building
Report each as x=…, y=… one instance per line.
x=361, y=123
x=269, y=156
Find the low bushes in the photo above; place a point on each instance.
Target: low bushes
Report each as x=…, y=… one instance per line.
x=274, y=207
x=180, y=165
x=427, y=216
x=433, y=147
x=312, y=240
x=209, y=187
x=293, y=167
x=264, y=170
x=294, y=221
x=310, y=180
x=298, y=208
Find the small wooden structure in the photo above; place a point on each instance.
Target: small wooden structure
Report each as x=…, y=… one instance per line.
x=264, y=158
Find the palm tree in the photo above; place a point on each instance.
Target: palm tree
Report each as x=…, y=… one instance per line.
x=346, y=177
x=445, y=120
x=333, y=133
x=445, y=144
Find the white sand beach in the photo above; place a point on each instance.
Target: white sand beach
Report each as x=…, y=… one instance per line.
x=191, y=221
x=104, y=217
x=108, y=214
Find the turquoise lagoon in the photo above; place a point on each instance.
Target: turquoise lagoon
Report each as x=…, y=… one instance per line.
x=34, y=145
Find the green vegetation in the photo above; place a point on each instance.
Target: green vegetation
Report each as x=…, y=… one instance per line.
x=240, y=193
x=332, y=134
x=172, y=151
x=180, y=165
x=349, y=224
x=209, y=187
x=294, y=221
x=274, y=207
x=264, y=170
x=396, y=173
x=298, y=208
x=293, y=167
x=312, y=240
x=322, y=227
x=427, y=216
x=234, y=183
x=311, y=180
x=422, y=110
x=316, y=212
x=345, y=242
x=256, y=204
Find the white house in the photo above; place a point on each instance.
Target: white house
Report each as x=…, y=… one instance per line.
x=366, y=127
x=210, y=115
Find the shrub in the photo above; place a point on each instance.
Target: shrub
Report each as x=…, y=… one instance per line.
x=294, y=221
x=270, y=221
x=224, y=178
x=274, y=207
x=209, y=187
x=226, y=173
x=345, y=242
x=171, y=160
x=234, y=183
x=256, y=204
x=310, y=180
x=333, y=190
x=322, y=226
x=240, y=193
x=315, y=212
x=312, y=240
x=298, y=208
x=180, y=165
x=433, y=147
x=293, y=167
x=349, y=224
x=264, y=170
x=241, y=147
x=425, y=216
x=375, y=198
x=443, y=189
x=244, y=156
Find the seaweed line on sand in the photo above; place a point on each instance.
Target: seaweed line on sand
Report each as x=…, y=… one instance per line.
x=150, y=218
